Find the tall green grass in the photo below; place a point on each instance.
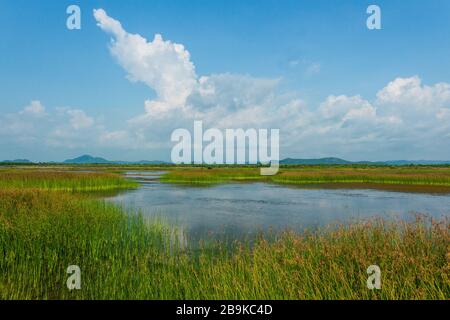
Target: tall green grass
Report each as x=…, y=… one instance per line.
x=315, y=175
x=64, y=180
x=211, y=176
x=123, y=256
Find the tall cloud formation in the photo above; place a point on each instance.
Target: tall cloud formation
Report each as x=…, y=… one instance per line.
x=397, y=123
x=162, y=65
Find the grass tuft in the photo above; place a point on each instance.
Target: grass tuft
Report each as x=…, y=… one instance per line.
x=64, y=181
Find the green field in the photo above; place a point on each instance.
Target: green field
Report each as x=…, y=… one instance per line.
x=47, y=224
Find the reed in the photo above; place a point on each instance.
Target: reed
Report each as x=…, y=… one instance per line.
x=439, y=176
x=63, y=180
x=124, y=256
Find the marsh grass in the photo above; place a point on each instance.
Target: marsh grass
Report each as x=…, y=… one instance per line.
x=124, y=256
x=427, y=176
x=63, y=181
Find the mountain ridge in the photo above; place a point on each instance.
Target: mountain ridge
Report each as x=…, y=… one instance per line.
x=16, y=161
x=88, y=159
x=333, y=160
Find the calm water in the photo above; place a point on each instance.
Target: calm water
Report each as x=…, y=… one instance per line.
x=243, y=208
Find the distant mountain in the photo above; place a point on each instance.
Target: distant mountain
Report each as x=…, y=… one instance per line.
x=331, y=161
x=417, y=162
x=16, y=161
x=87, y=159
x=315, y=161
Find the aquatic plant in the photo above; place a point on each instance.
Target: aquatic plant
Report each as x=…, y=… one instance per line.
x=124, y=256
x=63, y=180
x=439, y=176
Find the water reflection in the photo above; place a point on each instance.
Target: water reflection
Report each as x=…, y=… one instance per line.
x=242, y=209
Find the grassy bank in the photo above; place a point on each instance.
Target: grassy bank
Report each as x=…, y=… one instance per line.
x=425, y=176
x=122, y=256
x=63, y=180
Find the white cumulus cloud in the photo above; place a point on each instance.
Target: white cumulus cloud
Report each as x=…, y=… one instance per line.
x=79, y=119
x=341, y=125
x=35, y=108
x=162, y=65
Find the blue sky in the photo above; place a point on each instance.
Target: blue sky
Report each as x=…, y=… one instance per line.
x=317, y=59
